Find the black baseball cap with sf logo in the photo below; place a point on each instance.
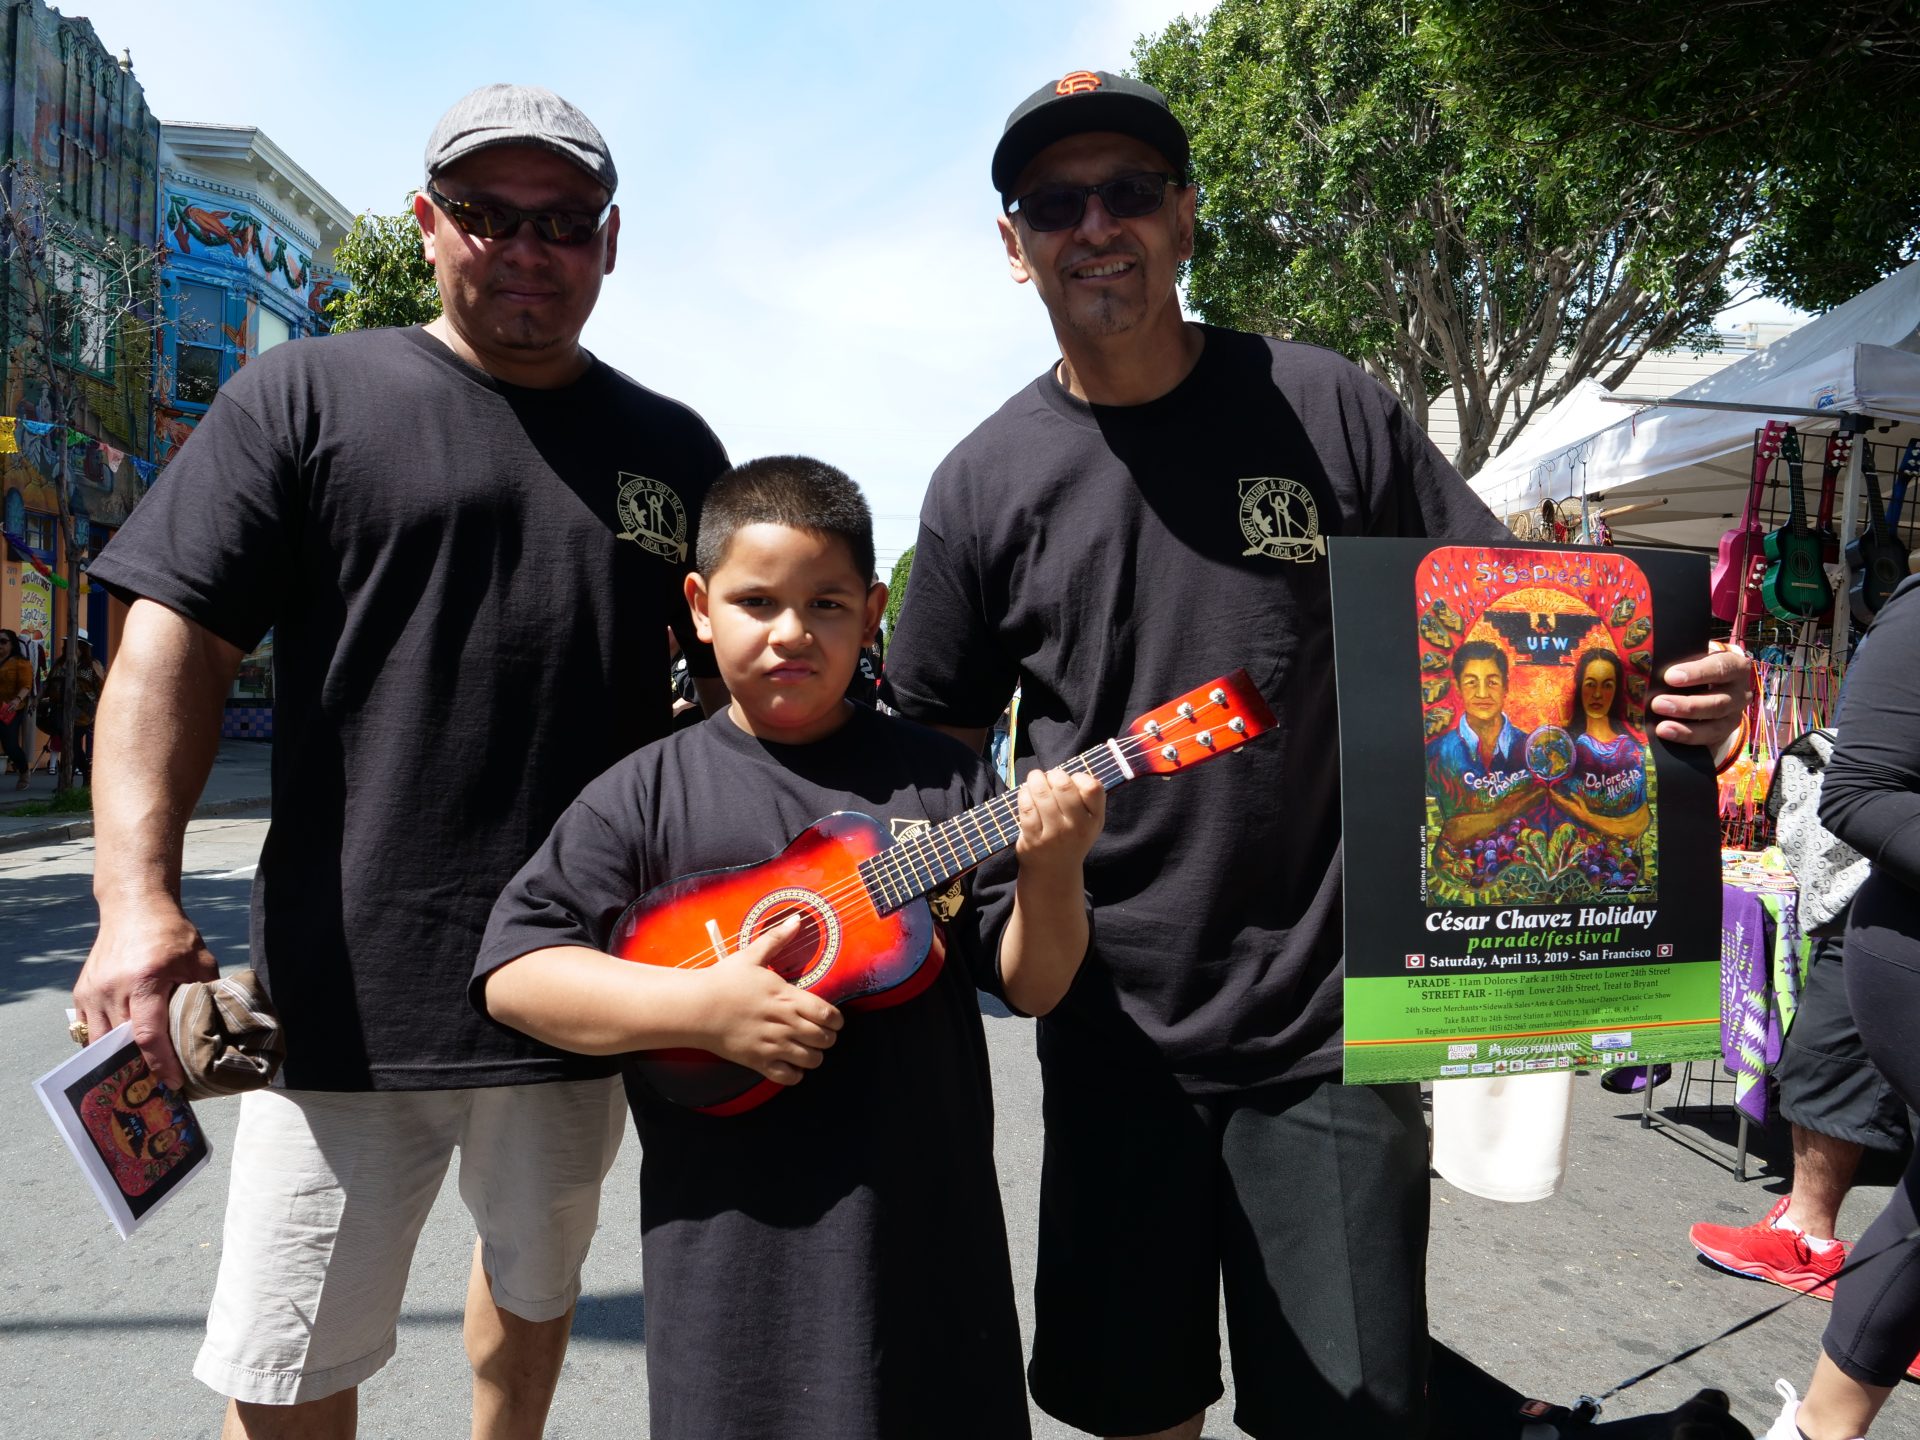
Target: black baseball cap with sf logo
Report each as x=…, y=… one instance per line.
x=1076, y=104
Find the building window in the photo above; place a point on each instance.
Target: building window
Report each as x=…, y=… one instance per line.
x=273, y=330
x=200, y=341
x=39, y=532
x=82, y=305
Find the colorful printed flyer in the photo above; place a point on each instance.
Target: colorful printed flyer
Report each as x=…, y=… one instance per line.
x=136, y=1141
x=1532, y=877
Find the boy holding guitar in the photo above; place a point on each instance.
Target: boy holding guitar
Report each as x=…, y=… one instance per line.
x=834, y=1262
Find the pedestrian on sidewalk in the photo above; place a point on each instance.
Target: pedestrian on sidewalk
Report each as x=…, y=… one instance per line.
x=16, y=704
x=86, y=703
x=1838, y=1106
x=469, y=539
x=1870, y=799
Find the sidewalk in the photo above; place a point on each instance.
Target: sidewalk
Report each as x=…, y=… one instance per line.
x=239, y=781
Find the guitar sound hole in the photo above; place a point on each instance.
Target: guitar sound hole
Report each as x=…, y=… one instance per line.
x=799, y=955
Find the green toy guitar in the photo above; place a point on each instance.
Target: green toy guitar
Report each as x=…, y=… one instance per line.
x=1795, y=586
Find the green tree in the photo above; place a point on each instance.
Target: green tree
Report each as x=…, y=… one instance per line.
x=897, y=589
x=1826, y=110
x=392, y=284
x=1365, y=188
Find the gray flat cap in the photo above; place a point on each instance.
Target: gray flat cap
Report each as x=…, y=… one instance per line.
x=519, y=115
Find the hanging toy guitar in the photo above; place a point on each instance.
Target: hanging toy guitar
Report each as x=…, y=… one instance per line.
x=1734, y=589
x=866, y=930
x=1877, y=560
x=1795, y=586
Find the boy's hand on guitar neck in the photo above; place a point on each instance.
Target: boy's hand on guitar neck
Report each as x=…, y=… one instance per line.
x=1046, y=936
x=756, y=1018
x=1060, y=818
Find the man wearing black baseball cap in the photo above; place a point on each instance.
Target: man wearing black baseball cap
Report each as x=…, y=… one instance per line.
x=469, y=538
x=1151, y=512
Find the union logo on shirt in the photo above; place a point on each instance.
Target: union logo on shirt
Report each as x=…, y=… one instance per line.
x=1280, y=520
x=947, y=903
x=652, y=516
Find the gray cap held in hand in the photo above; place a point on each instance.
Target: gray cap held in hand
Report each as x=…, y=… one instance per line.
x=519, y=115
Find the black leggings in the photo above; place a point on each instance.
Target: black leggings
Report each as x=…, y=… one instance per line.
x=10, y=741
x=1875, y=1331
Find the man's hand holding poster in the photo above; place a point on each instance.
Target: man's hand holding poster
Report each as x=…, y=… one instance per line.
x=1561, y=904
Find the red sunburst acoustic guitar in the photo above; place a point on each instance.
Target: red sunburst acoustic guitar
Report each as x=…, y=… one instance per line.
x=866, y=931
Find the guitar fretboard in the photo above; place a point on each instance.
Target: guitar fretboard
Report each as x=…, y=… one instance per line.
x=1796, y=499
x=923, y=860
x=1878, y=525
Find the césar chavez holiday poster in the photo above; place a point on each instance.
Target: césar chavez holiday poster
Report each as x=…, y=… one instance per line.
x=1532, y=876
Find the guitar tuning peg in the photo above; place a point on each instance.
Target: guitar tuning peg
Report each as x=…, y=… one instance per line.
x=1171, y=752
x=1217, y=696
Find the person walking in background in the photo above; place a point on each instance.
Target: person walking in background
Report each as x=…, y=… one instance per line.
x=469, y=540
x=86, y=704
x=1870, y=800
x=16, y=704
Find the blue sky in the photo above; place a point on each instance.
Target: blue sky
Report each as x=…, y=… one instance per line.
x=807, y=251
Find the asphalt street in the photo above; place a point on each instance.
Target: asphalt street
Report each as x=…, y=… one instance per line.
x=97, y=1336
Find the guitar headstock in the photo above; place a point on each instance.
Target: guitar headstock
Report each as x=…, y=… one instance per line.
x=1219, y=716
x=1839, y=447
x=1909, y=466
x=1790, y=445
x=1768, y=445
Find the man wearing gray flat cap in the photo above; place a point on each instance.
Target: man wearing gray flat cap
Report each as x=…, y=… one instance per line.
x=469, y=539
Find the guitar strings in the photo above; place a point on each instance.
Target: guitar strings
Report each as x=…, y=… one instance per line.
x=856, y=888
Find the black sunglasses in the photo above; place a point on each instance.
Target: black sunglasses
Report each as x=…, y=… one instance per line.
x=490, y=220
x=1126, y=197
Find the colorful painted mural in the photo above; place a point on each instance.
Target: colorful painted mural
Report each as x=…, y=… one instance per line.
x=198, y=228
x=249, y=238
x=77, y=121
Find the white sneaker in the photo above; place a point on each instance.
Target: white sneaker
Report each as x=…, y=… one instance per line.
x=1784, y=1428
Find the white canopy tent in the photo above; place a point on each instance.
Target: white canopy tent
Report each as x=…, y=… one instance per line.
x=1694, y=465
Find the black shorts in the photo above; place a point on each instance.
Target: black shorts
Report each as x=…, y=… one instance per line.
x=1309, y=1200
x=1827, y=1083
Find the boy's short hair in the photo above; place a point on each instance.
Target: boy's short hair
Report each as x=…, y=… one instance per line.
x=792, y=490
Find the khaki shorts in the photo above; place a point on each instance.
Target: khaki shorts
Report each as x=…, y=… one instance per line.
x=328, y=1196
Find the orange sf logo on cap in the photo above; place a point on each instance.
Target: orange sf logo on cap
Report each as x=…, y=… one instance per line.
x=1080, y=82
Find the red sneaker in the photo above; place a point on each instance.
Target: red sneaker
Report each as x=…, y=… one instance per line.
x=1762, y=1252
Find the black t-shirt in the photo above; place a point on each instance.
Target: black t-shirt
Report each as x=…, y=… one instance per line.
x=469, y=585
x=1870, y=795
x=1110, y=558
x=832, y=1264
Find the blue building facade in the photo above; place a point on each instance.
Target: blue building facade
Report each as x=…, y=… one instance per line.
x=250, y=239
